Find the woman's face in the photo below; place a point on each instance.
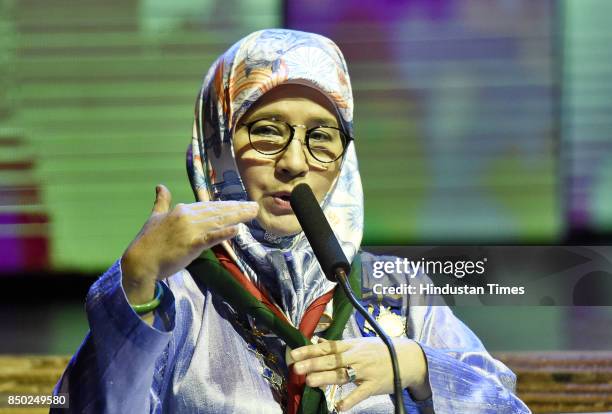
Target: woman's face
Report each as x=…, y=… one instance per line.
x=269, y=179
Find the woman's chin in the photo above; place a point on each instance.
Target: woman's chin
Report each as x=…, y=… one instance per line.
x=286, y=225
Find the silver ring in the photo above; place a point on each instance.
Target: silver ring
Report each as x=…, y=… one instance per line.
x=350, y=373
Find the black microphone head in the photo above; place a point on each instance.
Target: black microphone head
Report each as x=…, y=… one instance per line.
x=318, y=232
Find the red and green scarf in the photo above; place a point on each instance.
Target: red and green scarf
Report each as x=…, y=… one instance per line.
x=216, y=272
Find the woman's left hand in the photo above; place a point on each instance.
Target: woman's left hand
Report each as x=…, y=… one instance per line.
x=326, y=363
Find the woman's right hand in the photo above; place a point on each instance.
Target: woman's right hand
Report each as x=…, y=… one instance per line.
x=173, y=237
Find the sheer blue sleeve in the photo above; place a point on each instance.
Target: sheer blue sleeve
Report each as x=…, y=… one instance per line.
x=463, y=376
x=114, y=368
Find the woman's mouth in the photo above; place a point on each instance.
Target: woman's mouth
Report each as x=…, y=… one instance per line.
x=281, y=204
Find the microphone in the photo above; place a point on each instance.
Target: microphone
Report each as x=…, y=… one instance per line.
x=318, y=232
x=336, y=267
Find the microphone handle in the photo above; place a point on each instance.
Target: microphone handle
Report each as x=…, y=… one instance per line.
x=397, y=381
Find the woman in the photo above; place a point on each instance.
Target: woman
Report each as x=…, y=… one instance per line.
x=274, y=111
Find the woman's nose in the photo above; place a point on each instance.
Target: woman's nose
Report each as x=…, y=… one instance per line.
x=293, y=161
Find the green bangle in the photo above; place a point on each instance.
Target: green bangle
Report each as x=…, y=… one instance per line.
x=151, y=305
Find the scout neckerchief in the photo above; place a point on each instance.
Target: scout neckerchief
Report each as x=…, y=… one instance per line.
x=210, y=271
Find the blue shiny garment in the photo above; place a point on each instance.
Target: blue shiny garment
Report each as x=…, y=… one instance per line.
x=199, y=358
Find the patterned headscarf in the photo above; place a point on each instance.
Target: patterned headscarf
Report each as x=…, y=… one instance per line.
x=284, y=267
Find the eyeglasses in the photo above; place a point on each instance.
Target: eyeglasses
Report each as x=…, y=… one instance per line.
x=272, y=136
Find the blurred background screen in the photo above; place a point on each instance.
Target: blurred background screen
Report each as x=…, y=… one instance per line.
x=586, y=124
x=96, y=109
x=476, y=121
x=456, y=116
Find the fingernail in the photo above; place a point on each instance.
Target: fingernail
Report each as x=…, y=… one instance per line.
x=299, y=368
